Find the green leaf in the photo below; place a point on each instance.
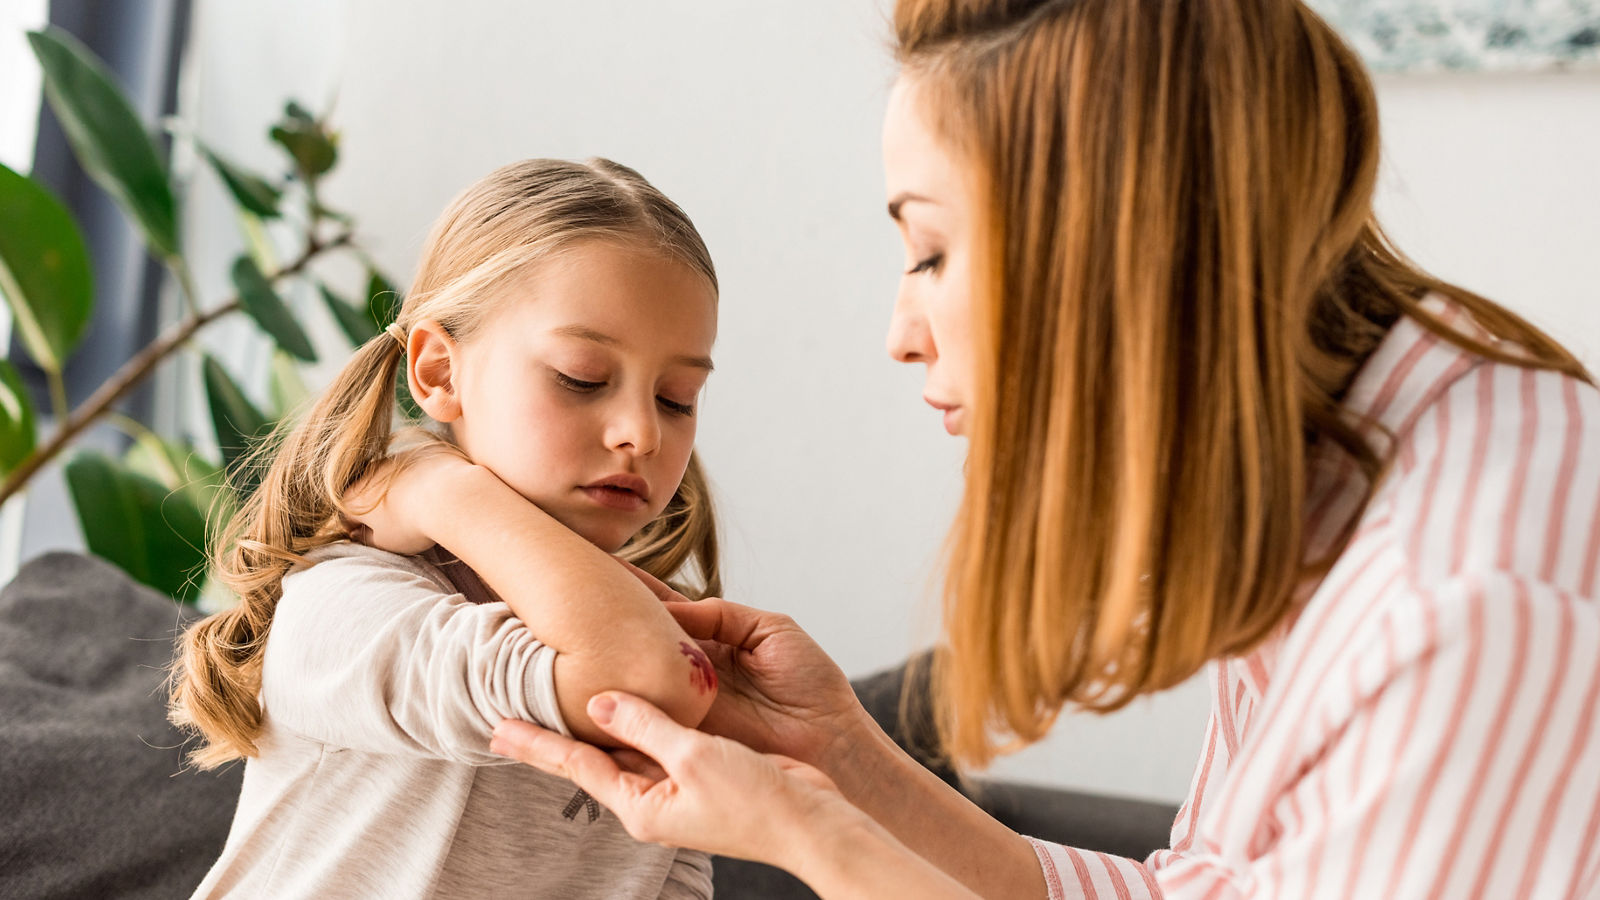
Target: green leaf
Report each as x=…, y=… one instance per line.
x=155, y=534
x=289, y=390
x=383, y=301
x=179, y=467
x=353, y=321
x=17, y=431
x=44, y=270
x=239, y=424
x=106, y=135
x=249, y=190
x=313, y=148
x=264, y=305
x=325, y=212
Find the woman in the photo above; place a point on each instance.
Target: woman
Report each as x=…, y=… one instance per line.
x=1213, y=417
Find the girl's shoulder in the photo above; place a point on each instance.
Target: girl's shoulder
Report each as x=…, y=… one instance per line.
x=344, y=568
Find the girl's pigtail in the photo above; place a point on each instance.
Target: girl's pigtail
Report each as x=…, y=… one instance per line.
x=685, y=530
x=216, y=678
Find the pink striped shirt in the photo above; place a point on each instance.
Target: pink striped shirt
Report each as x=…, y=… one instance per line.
x=1427, y=725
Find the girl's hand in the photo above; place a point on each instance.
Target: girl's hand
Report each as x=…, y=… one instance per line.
x=778, y=691
x=685, y=788
x=390, y=506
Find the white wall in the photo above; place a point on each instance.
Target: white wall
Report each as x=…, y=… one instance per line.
x=1494, y=182
x=762, y=121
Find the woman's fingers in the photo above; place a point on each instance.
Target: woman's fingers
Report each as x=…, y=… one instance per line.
x=585, y=765
x=661, y=589
x=639, y=764
x=642, y=726
x=715, y=619
x=631, y=721
x=677, y=786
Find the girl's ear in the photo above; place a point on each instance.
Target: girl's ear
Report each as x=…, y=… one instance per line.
x=432, y=359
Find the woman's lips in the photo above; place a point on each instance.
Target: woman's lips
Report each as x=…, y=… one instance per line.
x=952, y=420
x=952, y=413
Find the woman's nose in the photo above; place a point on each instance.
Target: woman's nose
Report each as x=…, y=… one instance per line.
x=909, y=339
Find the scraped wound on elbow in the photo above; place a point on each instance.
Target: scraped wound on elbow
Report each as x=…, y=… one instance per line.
x=701, y=673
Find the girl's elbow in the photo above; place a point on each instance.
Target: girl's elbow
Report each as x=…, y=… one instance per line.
x=679, y=680
x=683, y=686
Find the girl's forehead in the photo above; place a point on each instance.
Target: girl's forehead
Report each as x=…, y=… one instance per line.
x=614, y=297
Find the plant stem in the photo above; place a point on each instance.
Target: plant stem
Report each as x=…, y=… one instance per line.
x=137, y=369
x=58, y=396
x=130, y=426
x=139, y=431
x=186, y=291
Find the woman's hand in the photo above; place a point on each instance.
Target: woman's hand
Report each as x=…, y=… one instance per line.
x=390, y=506
x=779, y=692
x=682, y=787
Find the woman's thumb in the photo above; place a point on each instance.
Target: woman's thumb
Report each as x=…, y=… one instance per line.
x=636, y=723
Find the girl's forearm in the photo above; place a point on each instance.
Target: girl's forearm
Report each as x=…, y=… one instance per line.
x=933, y=819
x=609, y=631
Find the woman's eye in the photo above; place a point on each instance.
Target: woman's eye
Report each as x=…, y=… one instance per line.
x=929, y=264
x=575, y=384
x=678, y=409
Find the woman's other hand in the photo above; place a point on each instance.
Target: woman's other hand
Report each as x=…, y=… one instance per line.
x=682, y=787
x=389, y=507
x=779, y=692
x=685, y=788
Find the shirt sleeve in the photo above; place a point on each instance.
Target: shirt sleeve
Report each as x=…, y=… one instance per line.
x=368, y=652
x=1466, y=765
x=689, y=878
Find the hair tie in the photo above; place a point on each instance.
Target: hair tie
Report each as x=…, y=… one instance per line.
x=399, y=334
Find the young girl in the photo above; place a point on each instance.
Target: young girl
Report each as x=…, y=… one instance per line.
x=397, y=604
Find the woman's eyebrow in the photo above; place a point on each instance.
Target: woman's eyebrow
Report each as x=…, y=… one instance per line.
x=585, y=333
x=901, y=199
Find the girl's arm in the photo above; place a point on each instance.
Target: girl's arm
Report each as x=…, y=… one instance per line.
x=609, y=631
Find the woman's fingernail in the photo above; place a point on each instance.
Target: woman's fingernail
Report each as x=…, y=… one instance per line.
x=601, y=709
x=498, y=748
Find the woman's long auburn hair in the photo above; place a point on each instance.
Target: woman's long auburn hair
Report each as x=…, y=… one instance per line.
x=1179, y=272
x=499, y=229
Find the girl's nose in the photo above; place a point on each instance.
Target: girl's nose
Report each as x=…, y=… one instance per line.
x=909, y=339
x=634, y=428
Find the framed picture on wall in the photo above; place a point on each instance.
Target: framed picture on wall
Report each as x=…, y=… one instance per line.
x=1469, y=35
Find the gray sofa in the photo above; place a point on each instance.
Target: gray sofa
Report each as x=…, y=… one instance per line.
x=94, y=801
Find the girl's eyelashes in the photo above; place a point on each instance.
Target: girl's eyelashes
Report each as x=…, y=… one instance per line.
x=576, y=384
x=928, y=264
x=580, y=386
x=677, y=409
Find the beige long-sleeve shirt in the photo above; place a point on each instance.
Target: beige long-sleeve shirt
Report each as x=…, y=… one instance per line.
x=382, y=681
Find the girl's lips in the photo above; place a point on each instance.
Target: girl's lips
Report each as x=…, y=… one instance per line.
x=614, y=497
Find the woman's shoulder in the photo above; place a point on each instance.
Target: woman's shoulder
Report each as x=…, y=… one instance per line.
x=1500, y=474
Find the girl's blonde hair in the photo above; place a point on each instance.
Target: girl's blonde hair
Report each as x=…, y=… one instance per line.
x=1179, y=274
x=495, y=231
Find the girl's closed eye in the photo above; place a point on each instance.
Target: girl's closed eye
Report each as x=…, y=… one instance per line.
x=676, y=408
x=577, y=384
x=929, y=264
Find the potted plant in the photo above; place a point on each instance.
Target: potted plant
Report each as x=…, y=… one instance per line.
x=151, y=510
